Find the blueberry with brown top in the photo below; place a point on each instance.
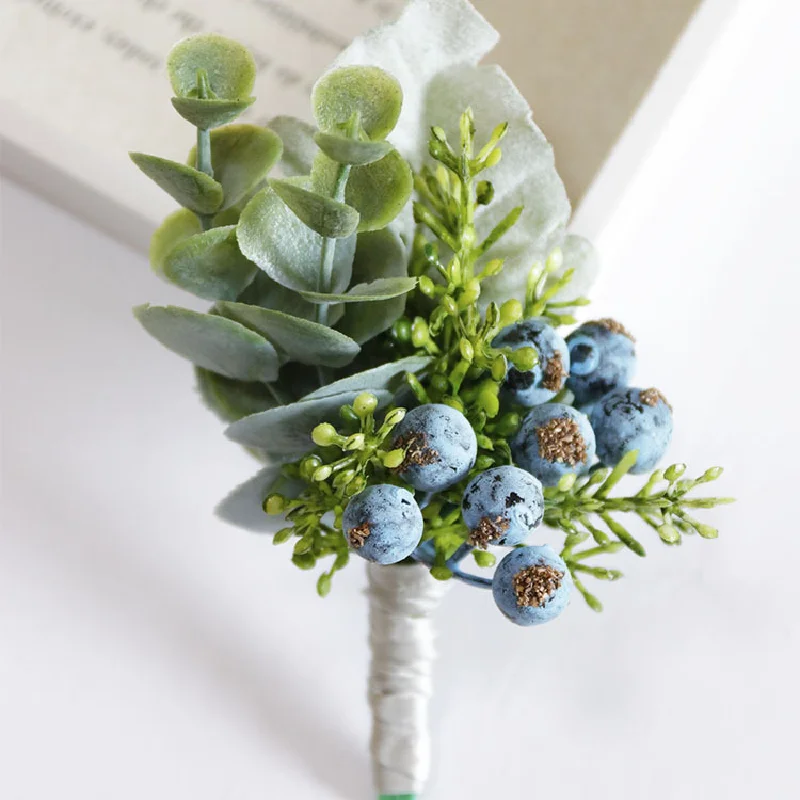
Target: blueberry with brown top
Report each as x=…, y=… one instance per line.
x=546, y=379
x=632, y=419
x=554, y=440
x=602, y=358
x=383, y=523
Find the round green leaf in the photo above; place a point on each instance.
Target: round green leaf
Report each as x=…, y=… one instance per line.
x=176, y=227
x=210, y=265
x=212, y=342
x=381, y=289
x=192, y=189
x=300, y=339
x=288, y=251
x=284, y=433
x=230, y=399
x=369, y=92
x=241, y=156
x=325, y=216
x=351, y=151
x=210, y=113
x=230, y=67
x=299, y=147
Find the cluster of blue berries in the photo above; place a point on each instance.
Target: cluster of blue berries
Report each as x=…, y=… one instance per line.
x=503, y=505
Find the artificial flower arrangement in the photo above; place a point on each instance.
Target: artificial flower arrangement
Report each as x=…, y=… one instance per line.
x=388, y=335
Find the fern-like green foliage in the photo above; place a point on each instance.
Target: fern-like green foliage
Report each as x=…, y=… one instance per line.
x=302, y=270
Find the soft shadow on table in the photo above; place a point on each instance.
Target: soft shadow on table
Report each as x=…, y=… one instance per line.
x=258, y=685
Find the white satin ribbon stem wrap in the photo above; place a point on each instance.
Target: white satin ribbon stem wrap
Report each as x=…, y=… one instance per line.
x=402, y=598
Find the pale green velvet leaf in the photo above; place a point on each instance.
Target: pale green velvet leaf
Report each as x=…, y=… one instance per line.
x=266, y=293
x=210, y=112
x=299, y=147
x=209, y=265
x=287, y=250
x=351, y=151
x=230, y=67
x=377, y=191
x=299, y=339
x=325, y=216
x=176, y=227
x=243, y=507
x=212, y=342
x=241, y=156
x=231, y=399
x=371, y=380
x=192, y=189
x=380, y=255
x=284, y=433
x=381, y=289
x=374, y=95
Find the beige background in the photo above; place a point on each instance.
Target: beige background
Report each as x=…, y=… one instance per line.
x=584, y=66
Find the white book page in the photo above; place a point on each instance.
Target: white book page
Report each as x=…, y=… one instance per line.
x=85, y=82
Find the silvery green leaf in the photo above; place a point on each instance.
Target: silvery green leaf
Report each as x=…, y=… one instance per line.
x=429, y=36
x=211, y=342
x=264, y=292
x=301, y=340
x=241, y=156
x=230, y=67
x=351, y=151
x=284, y=433
x=192, y=189
x=327, y=217
x=290, y=253
x=525, y=176
x=369, y=92
x=176, y=227
x=377, y=191
x=379, y=255
x=381, y=289
x=210, y=112
x=299, y=147
x=372, y=380
x=231, y=399
x=209, y=265
x=243, y=507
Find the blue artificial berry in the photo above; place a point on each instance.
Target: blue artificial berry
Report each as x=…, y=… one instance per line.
x=602, y=357
x=554, y=440
x=383, y=523
x=502, y=506
x=531, y=585
x=632, y=419
x=440, y=447
x=546, y=379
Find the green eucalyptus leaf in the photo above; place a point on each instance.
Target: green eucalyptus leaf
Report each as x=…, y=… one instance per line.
x=231, y=399
x=377, y=191
x=230, y=67
x=325, y=216
x=266, y=293
x=381, y=289
x=368, y=92
x=301, y=340
x=299, y=147
x=210, y=112
x=351, y=151
x=192, y=189
x=176, y=227
x=212, y=342
x=371, y=380
x=210, y=265
x=287, y=250
x=380, y=255
x=284, y=433
x=241, y=155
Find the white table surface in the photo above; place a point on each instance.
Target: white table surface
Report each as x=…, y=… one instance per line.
x=146, y=650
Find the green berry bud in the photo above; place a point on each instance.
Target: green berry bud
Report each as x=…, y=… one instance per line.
x=325, y=435
x=483, y=462
x=305, y=561
x=449, y=305
x=484, y=193
x=344, y=477
x=275, y=504
x=706, y=531
x=712, y=474
x=669, y=534
x=508, y=424
x=365, y=404
x=393, y=459
x=524, y=359
x=348, y=414
x=454, y=271
x=355, y=442
x=439, y=383
x=358, y=484
x=401, y=330
x=419, y=332
x=303, y=545
x=438, y=316
x=483, y=558
x=555, y=260
x=494, y=158
x=394, y=417
x=308, y=466
x=489, y=402
x=441, y=573
x=282, y=536
x=510, y=312
x=492, y=268
x=566, y=482
x=467, y=350
x=454, y=402
x=674, y=472
x=323, y=584
x=499, y=367
x=426, y=286
x=323, y=473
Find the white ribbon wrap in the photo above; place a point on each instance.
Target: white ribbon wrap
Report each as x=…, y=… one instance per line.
x=402, y=599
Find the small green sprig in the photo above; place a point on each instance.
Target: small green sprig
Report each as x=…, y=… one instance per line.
x=583, y=509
